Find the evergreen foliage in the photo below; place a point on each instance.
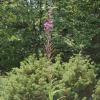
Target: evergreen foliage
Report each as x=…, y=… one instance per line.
x=43, y=80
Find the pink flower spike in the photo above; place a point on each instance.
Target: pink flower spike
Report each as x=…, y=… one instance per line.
x=48, y=25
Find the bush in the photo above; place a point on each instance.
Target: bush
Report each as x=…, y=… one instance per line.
x=43, y=80
x=79, y=78
x=30, y=82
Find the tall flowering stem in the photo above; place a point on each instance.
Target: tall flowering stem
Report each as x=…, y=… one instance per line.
x=48, y=27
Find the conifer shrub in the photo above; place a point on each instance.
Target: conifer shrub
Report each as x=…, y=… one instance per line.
x=43, y=80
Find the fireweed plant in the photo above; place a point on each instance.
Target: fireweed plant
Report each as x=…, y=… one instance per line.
x=48, y=27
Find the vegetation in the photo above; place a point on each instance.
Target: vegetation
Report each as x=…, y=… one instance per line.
x=49, y=50
x=43, y=80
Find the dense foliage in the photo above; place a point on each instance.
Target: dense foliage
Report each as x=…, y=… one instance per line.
x=43, y=80
x=44, y=46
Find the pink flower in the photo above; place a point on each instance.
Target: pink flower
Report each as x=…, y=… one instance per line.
x=48, y=25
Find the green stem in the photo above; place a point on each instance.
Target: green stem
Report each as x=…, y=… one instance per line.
x=50, y=95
